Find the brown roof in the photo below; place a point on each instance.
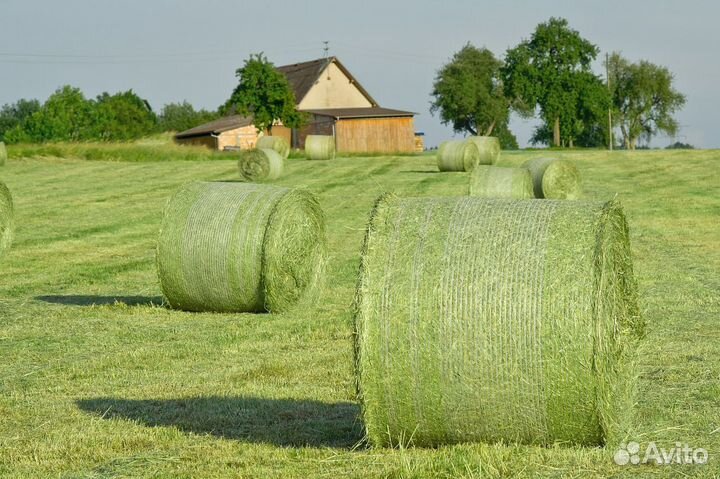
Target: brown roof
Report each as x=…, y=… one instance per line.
x=302, y=76
x=217, y=126
x=373, y=112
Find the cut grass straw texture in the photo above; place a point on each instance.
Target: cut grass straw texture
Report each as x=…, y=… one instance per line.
x=554, y=179
x=495, y=320
x=260, y=164
x=457, y=155
x=497, y=182
x=7, y=219
x=320, y=147
x=240, y=247
x=276, y=143
x=3, y=153
x=489, y=148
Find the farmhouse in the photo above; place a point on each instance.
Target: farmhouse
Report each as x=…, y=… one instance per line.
x=337, y=104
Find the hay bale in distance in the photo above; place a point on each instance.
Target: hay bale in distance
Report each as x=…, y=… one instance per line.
x=7, y=218
x=496, y=182
x=3, y=153
x=240, y=247
x=457, y=155
x=320, y=147
x=260, y=164
x=276, y=143
x=495, y=320
x=489, y=148
x=554, y=179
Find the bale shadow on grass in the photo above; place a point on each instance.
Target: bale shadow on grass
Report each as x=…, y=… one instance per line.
x=282, y=422
x=90, y=300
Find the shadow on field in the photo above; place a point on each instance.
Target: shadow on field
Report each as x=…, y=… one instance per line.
x=83, y=300
x=282, y=422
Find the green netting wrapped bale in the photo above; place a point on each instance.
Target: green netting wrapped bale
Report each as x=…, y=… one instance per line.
x=457, y=155
x=554, y=179
x=7, y=219
x=3, y=153
x=495, y=320
x=319, y=147
x=240, y=247
x=497, y=182
x=489, y=148
x=276, y=143
x=260, y=164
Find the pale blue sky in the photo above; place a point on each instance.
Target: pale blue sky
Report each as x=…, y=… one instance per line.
x=174, y=50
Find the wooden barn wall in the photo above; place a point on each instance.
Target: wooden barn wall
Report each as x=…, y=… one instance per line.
x=375, y=135
x=319, y=125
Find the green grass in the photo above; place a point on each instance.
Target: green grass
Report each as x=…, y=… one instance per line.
x=98, y=380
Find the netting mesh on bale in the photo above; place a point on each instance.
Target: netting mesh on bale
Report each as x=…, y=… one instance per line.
x=277, y=143
x=495, y=320
x=497, y=182
x=554, y=179
x=260, y=164
x=240, y=247
x=7, y=218
x=489, y=148
x=457, y=155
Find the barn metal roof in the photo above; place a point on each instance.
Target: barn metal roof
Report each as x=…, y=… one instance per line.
x=217, y=126
x=348, y=113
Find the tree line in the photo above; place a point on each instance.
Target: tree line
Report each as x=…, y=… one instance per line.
x=550, y=76
x=67, y=115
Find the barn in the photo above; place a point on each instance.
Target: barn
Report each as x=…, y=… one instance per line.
x=336, y=103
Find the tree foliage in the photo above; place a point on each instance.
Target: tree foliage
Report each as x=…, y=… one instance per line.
x=122, y=116
x=183, y=116
x=552, y=72
x=468, y=94
x=265, y=94
x=643, y=99
x=15, y=115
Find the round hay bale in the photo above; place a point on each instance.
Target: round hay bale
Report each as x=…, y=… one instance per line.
x=320, y=147
x=3, y=153
x=276, y=143
x=554, y=179
x=497, y=182
x=240, y=247
x=495, y=320
x=457, y=155
x=260, y=164
x=489, y=148
x=7, y=219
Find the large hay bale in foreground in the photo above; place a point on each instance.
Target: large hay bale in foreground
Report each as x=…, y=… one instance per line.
x=7, y=219
x=495, y=320
x=457, y=155
x=260, y=164
x=319, y=147
x=554, y=179
x=277, y=143
x=240, y=247
x=497, y=182
x=489, y=148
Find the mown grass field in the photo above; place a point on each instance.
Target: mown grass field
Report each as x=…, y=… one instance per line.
x=99, y=380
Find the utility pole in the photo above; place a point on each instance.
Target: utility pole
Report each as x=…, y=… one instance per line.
x=607, y=80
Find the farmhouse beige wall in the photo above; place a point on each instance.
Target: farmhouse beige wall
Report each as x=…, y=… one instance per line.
x=333, y=90
x=244, y=137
